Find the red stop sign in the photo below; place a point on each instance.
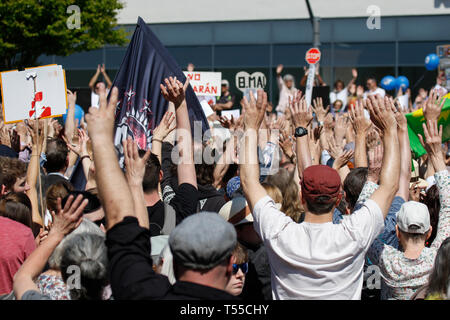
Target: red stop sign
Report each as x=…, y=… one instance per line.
x=312, y=56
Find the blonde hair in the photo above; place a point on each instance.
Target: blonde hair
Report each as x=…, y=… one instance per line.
x=273, y=192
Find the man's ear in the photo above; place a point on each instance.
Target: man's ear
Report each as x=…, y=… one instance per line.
x=338, y=199
x=161, y=175
x=429, y=232
x=397, y=232
x=3, y=190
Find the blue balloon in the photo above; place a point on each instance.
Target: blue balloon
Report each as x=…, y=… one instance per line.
x=402, y=82
x=431, y=61
x=388, y=83
x=79, y=114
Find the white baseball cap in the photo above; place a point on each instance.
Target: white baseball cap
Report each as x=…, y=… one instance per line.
x=413, y=217
x=236, y=211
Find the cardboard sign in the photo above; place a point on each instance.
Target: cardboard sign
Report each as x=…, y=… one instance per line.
x=205, y=83
x=39, y=92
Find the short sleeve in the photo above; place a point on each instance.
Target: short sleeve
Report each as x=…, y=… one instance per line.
x=365, y=224
x=268, y=220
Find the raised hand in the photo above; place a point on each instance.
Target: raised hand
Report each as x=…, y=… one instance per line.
x=340, y=128
x=279, y=69
x=81, y=148
x=228, y=123
x=360, y=123
x=254, y=110
x=134, y=164
x=381, y=114
x=375, y=163
x=102, y=68
x=166, y=126
x=301, y=115
x=343, y=158
x=69, y=218
x=354, y=73
x=100, y=121
x=432, y=107
x=174, y=91
x=319, y=110
x=71, y=97
x=433, y=137
x=286, y=144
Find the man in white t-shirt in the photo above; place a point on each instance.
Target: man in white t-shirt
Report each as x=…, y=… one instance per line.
x=373, y=89
x=317, y=259
x=96, y=85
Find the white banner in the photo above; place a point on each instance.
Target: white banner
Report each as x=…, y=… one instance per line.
x=33, y=93
x=205, y=83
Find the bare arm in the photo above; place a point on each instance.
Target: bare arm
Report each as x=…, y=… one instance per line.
x=113, y=188
x=301, y=117
x=105, y=75
x=69, y=125
x=166, y=126
x=175, y=91
x=405, y=154
x=94, y=79
x=248, y=157
x=32, y=176
x=383, y=117
x=361, y=125
x=63, y=223
x=135, y=171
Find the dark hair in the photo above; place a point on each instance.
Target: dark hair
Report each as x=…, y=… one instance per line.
x=56, y=155
x=17, y=206
x=205, y=171
x=151, y=176
x=11, y=169
x=339, y=81
x=321, y=205
x=354, y=183
x=55, y=191
x=439, y=277
x=431, y=200
x=371, y=78
x=414, y=237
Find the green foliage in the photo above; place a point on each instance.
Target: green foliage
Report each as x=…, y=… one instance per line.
x=30, y=28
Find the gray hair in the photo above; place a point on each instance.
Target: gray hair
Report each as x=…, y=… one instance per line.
x=86, y=226
x=288, y=77
x=88, y=252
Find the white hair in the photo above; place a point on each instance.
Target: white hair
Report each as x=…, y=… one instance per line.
x=86, y=226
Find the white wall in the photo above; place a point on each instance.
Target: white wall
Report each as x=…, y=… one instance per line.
x=172, y=11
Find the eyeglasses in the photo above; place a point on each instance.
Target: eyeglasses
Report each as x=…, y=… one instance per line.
x=242, y=266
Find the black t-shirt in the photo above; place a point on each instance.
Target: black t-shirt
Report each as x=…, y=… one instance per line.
x=156, y=218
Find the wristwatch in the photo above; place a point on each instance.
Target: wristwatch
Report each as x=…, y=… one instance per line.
x=300, y=132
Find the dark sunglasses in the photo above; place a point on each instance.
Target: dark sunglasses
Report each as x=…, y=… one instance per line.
x=242, y=266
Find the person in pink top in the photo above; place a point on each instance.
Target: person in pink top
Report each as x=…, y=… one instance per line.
x=16, y=243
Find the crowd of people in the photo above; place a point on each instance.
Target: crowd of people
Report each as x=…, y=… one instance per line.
x=301, y=201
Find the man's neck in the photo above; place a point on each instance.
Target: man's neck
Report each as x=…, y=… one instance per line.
x=318, y=218
x=208, y=279
x=151, y=198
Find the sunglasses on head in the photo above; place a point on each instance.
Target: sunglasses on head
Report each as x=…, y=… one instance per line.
x=242, y=266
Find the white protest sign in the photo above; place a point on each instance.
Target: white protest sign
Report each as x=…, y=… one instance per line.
x=236, y=113
x=205, y=83
x=33, y=93
x=245, y=81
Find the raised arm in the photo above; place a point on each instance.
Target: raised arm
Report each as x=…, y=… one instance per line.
x=354, y=76
x=405, y=152
x=248, y=158
x=32, y=174
x=69, y=125
x=175, y=92
x=94, y=78
x=361, y=125
x=301, y=117
x=135, y=171
x=383, y=117
x=166, y=126
x=105, y=75
x=113, y=189
x=64, y=222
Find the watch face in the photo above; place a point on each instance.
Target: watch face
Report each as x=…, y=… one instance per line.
x=300, y=132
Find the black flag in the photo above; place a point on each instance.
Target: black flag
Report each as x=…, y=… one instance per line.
x=141, y=105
